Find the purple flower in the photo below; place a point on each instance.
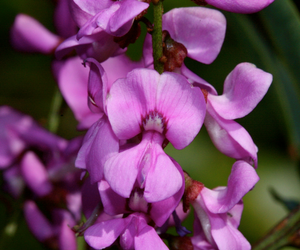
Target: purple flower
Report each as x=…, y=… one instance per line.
x=160, y=107
x=55, y=234
x=100, y=141
x=99, y=24
x=113, y=17
x=218, y=211
x=238, y=6
x=243, y=89
x=19, y=132
x=133, y=229
x=159, y=212
x=134, y=232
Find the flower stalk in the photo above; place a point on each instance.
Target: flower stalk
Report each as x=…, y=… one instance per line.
x=157, y=43
x=53, y=118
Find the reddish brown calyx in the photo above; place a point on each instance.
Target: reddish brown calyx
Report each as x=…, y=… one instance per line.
x=191, y=191
x=180, y=243
x=173, y=53
x=205, y=93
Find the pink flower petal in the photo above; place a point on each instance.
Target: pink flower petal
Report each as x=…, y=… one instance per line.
x=230, y=137
x=37, y=222
x=161, y=211
x=244, y=88
x=121, y=170
x=98, y=145
x=183, y=106
x=35, y=174
x=200, y=30
x=29, y=35
x=242, y=179
x=103, y=234
x=113, y=203
x=129, y=100
x=148, y=239
x=163, y=178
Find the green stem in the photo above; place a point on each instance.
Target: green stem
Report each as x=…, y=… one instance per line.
x=157, y=37
x=286, y=233
x=53, y=118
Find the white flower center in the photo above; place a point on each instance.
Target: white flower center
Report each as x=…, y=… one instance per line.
x=154, y=121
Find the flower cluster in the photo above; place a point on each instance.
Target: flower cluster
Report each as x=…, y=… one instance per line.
x=131, y=111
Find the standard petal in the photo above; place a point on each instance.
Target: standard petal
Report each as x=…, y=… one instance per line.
x=242, y=179
x=29, y=35
x=230, y=138
x=240, y=6
x=182, y=106
x=200, y=30
x=244, y=88
x=129, y=101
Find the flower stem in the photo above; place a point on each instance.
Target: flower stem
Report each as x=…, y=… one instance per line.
x=53, y=118
x=286, y=233
x=157, y=36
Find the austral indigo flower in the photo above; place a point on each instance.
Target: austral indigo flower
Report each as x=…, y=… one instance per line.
x=243, y=89
x=99, y=24
x=100, y=141
x=159, y=107
x=132, y=227
x=218, y=211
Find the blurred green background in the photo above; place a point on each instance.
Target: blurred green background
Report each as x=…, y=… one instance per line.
x=270, y=39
